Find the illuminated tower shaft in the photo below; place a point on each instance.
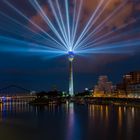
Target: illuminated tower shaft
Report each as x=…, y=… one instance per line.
x=71, y=88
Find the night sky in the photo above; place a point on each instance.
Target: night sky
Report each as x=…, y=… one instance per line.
x=29, y=66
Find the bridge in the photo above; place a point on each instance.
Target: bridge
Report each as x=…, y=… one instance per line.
x=16, y=94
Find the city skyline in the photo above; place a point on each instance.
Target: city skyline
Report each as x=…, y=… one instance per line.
x=69, y=69
x=39, y=69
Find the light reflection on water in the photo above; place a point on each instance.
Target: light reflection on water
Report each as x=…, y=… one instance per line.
x=69, y=122
x=122, y=119
x=70, y=126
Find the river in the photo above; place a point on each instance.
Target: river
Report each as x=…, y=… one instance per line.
x=20, y=121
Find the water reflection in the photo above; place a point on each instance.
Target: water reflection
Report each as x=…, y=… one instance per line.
x=71, y=122
x=121, y=119
x=14, y=107
x=97, y=111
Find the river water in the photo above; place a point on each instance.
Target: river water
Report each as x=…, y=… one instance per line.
x=19, y=121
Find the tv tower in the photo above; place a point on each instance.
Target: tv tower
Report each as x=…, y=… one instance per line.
x=71, y=58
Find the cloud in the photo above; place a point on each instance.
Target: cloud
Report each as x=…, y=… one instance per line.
x=123, y=16
x=119, y=18
x=39, y=21
x=138, y=7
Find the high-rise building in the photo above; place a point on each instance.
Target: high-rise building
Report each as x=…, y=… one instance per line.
x=132, y=78
x=130, y=85
x=104, y=87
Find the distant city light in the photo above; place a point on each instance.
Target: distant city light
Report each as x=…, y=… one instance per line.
x=64, y=34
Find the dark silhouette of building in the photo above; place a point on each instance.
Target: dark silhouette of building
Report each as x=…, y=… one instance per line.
x=130, y=85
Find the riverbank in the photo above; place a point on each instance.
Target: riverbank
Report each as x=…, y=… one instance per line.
x=88, y=100
x=114, y=101
x=48, y=101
